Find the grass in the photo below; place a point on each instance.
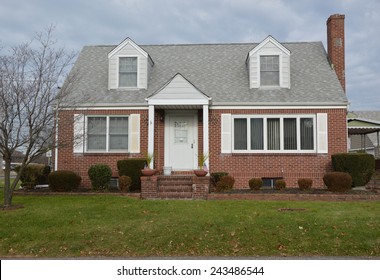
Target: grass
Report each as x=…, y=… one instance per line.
x=87, y=226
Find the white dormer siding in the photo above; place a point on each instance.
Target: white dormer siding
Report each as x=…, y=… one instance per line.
x=269, y=47
x=144, y=64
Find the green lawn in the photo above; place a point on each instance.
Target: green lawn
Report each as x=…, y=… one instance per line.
x=75, y=225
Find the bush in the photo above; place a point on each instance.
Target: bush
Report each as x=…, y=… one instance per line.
x=100, y=176
x=255, y=183
x=132, y=168
x=337, y=181
x=216, y=176
x=63, y=181
x=33, y=174
x=125, y=183
x=360, y=166
x=305, y=184
x=279, y=184
x=225, y=183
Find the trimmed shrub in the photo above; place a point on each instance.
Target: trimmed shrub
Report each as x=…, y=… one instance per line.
x=100, y=176
x=255, y=183
x=225, y=183
x=279, y=184
x=304, y=183
x=132, y=168
x=216, y=176
x=125, y=183
x=337, y=181
x=360, y=166
x=33, y=174
x=63, y=181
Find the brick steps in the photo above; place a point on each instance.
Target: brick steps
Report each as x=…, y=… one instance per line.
x=374, y=183
x=175, y=187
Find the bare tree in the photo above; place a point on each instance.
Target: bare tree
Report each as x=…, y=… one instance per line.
x=30, y=76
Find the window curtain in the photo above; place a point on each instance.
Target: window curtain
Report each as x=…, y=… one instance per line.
x=257, y=134
x=290, y=134
x=269, y=70
x=128, y=71
x=307, y=134
x=273, y=133
x=118, y=138
x=97, y=133
x=240, y=134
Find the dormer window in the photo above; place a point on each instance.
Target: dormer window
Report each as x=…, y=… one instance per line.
x=269, y=65
x=129, y=67
x=269, y=70
x=127, y=71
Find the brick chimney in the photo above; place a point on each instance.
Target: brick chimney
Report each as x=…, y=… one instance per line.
x=335, y=46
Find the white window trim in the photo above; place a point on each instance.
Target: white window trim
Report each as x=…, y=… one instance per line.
x=138, y=73
x=279, y=54
x=107, y=150
x=281, y=151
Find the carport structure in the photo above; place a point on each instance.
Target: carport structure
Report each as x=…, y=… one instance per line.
x=358, y=125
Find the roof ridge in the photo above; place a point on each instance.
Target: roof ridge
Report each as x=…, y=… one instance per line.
x=205, y=44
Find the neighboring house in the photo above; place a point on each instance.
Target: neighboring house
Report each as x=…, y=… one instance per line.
x=265, y=109
x=364, y=132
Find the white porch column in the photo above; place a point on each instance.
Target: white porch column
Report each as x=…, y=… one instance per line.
x=205, y=134
x=151, y=133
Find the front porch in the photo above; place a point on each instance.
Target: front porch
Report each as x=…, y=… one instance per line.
x=178, y=127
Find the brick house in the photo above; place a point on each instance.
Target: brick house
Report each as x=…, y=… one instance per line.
x=265, y=109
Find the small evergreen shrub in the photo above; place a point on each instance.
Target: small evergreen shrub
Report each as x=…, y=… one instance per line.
x=100, y=176
x=255, y=183
x=337, y=181
x=216, y=176
x=132, y=168
x=279, y=184
x=304, y=183
x=125, y=183
x=63, y=181
x=360, y=166
x=225, y=183
x=33, y=174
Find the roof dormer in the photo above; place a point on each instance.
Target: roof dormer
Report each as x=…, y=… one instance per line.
x=269, y=65
x=128, y=66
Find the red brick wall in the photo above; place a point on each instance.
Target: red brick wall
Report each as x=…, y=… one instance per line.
x=242, y=166
x=80, y=162
x=290, y=166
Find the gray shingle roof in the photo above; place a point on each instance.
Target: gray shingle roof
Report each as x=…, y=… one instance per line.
x=218, y=70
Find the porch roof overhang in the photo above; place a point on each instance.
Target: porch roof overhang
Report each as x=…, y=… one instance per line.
x=178, y=93
x=357, y=126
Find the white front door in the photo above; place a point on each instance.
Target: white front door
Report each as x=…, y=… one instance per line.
x=181, y=139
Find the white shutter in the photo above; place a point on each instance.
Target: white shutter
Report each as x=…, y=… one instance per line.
x=78, y=141
x=226, y=135
x=322, y=136
x=134, y=133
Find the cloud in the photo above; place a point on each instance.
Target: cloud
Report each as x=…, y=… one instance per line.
x=81, y=22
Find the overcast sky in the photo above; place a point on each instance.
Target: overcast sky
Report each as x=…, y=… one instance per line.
x=108, y=22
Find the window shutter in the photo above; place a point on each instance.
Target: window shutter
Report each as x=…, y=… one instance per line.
x=322, y=136
x=226, y=135
x=78, y=140
x=134, y=137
